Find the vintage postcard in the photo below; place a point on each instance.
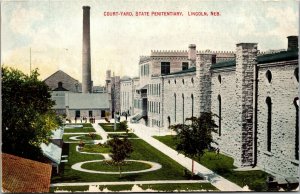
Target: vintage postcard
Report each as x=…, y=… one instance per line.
x=150, y=96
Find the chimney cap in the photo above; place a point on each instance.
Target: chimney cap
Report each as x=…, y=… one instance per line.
x=292, y=37
x=192, y=46
x=86, y=7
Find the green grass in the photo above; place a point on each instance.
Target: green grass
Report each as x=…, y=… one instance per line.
x=121, y=135
x=83, y=124
x=80, y=130
x=109, y=127
x=108, y=167
x=96, y=148
x=169, y=140
x=84, y=138
x=223, y=165
x=179, y=187
x=142, y=151
x=188, y=187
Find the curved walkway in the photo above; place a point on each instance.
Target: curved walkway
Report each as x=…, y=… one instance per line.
x=216, y=180
x=100, y=131
x=154, y=166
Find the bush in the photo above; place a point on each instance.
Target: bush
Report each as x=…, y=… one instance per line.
x=221, y=168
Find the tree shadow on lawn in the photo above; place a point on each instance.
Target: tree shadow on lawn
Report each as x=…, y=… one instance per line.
x=129, y=177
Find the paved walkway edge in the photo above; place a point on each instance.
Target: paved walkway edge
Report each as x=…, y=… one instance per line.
x=215, y=179
x=129, y=182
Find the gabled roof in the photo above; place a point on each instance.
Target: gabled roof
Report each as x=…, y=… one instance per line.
x=20, y=175
x=61, y=72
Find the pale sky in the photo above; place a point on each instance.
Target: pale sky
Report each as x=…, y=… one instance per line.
x=53, y=30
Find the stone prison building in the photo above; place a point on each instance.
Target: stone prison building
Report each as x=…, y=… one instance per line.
x=255, y=95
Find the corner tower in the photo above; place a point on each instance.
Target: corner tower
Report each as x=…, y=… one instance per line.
x=86, y=52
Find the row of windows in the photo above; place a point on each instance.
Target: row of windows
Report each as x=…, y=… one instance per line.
x=155, y=123
x=154, y=89
x=137, y=103
x=145, y=70
x=175, y=108
x=192, y=81
x=269, y=123
x=154, y=107
x=165, y=67
x=125, y=98
x=269, y=76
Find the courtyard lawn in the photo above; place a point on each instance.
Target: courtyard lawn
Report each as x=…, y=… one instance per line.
x=96, y=148
x=223, y=165
x=183, y=187
x=142, y=151
x=127, y=166
x=109, y=127
x=121, y=135
x=80, y=130
x=83, y=137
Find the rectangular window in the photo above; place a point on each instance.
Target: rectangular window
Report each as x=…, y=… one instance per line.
x=185, y=65
x=90, y=113
x=165, y=68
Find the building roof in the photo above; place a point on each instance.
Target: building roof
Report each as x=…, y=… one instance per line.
x=52, y=151
x=87, y=101
x=58, y=133
x=192, y=69
x=20, y=175
x=268, y=58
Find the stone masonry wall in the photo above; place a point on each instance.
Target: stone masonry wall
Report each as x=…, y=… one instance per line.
x=181, y=85
x=228, y=141
x=68, y=82
x=246, y=59
x=282, y=90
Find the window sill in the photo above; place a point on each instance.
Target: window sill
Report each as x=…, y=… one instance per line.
x=268, y=153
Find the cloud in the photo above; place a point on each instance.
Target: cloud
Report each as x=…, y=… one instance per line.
x=23, y=20
x=286, y=20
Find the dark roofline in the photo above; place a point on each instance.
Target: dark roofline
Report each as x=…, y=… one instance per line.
x=268, y=58
x=192, y=69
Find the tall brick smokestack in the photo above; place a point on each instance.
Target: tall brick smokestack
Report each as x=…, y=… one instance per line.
x=86, y=52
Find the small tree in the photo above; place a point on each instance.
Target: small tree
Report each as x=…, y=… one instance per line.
x=123, y=126
x=194, y=138
x=120, y=150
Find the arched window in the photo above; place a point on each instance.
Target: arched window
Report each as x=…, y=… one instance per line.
x=182, y=108
x=269, y=123
x=182, y=81
x=269, y=76
x=192, y=80
x=192, y=96
x=169, y=121
x=220, y=113
x=296, y=103
x=59, y=84
x=219, y=78
x=175, y=81
x=174, y=107
x=296, y=74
